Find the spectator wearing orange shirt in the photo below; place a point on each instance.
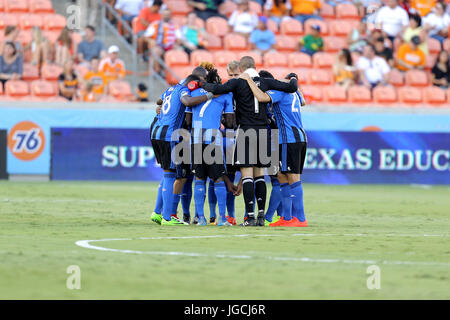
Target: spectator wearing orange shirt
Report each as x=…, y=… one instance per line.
x=423, y=7
x=277, y=9
x=96, y=77
x=147, y=15
x=410, y=56
x=89, y=94
x=112, y=66
x=303, y=10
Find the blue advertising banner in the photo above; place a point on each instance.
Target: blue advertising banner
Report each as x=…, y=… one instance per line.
x=333, y=157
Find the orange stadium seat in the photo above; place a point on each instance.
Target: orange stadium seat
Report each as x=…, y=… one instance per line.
x=396, y=78
x=447, y=44
x=181, y=71
x=312, y=93
x=335, y=94
x=302, y=74
x=434, y=46
x=16, y=88
x=178, y=8
x=291, y=27
x=255, y=55
x=334, y=44
x=434, y=95
x=323, y=26
x=176, y=58
x=279, y=72
x=255, y=7
x=2, y=6
x=416, y=78
x=235, y=42
x=272, y=26
x=359, y=94
x=198, y=56
x=24, y=37
x=221, y=58
x=217, y=26
x=323, y=60
x=320, y=77
x=299, y=60
x=54, y=22
x=214, y=42
x=384, y=94
x=27, y=21
x=120, y=89
x=223, y=74
x=275, y=59
x=340, y=28
x=431, y=60
x=327, y=11
x=51, y=72
x=17, y=6
x=8, y=19
x=410, y=95
x=347, y=11
x=42, y=88
x=41, y=6
x=227, y=8
x=30, y=72
x=52, y=36
x=286, y=43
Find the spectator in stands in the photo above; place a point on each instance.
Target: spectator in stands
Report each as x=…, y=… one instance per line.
x=142, y=93
x=161, y=36
x=372, y=70
x=242, y=20
x=64, y=49
x=10, y=35
x=112, y=66
x=303, y=10
x=392, y=19
x=262, y=39
x=233, y=69
x=68, y=82
x=415, y=29
x=357, y=39
x=88, y=12
x=384, y=52
x=371, y=16
x=343, y=69
x=277, y=9
x=90, y=47
x=96, y=77
x=39, y=47
x=11, y=63
x=410, y=56
x=205, y=9
x=191, y=37
x=423, y=7
x=147, y=15
x=311, y=43
x=437, y=23
x=128, y=10
x=88, y=93
x=440, y=74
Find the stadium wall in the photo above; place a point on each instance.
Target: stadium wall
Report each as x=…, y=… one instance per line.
x=3, y=172
x=346, y=145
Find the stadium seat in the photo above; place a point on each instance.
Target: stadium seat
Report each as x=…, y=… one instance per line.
x=327, y=11
x=41, y=6
x=178, y=7
x=2, y=6
x=234, y=42
x=384, y=94
x=108, y=99
x=431, y=60
x=19, y=6
x=323, y=26
x=320, y=77
x=359, y=94
x=42, y=88
x=335, y=94
x=120, y=90
x=286, y=43
x=176, y=58
x=272, y=26
x=275, y=59
x=434, y=46
x=347, y=11
x=8, y=19
x=223, y=74
x=27, y=21
x=198, y=56
x=302, y=74
x=181, y=72
x=51, y=72
x=52, y=36
x=334, y=44
x=16, y=88
x=227, y=8
x=291, y=27
x=416, y=78
x=447, y=44
x=30, y=72
x=340, y=28
x=410, y=95
x=299, y=60
x=214, y=42
x=54, y=22
x=279, y=72
x=221, y=58
x=396, y=78
x=24, y=37
x=323, y=60
x=217, y=26
x=255, y=55
x=434, y=95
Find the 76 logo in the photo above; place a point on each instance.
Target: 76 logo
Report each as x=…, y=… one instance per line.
x=26, y=140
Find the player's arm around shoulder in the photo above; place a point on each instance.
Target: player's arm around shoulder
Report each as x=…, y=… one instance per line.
x=290, y=87
x=218, y=88
x=189, y=101
x=257, y=92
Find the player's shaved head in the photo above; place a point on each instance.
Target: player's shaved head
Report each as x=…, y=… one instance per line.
x=200, y=72
x=246, y=62
x=266, y=74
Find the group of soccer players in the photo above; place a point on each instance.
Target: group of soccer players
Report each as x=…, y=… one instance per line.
x=208, y=130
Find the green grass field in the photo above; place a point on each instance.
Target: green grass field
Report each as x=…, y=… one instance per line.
x=351, y=228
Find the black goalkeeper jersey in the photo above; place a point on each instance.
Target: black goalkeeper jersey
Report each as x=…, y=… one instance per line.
x=249, y=112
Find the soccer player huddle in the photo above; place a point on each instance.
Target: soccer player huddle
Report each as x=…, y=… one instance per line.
x=206, y=130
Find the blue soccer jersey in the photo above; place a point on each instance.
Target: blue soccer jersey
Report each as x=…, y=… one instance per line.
x=207, y=115
x=286, y=109
x=172, y=112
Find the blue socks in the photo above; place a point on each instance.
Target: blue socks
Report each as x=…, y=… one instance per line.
x=176, y=200
x=212, y=200
x=186, y=196
x=297, y=201
x=221, y=195
x=275, y=199
x=287, y=201
x=199, y=197
x=167, y=194
x=159, y=198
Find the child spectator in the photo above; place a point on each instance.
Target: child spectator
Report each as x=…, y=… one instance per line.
x=372, y=70
x=68, y=82
x=410, y=56
x=415, y=29
x=112, y=66
x=277, y=9
x=303, y=10
x=64, y=47
x=11, y=63
x=440, y=74
x=96, y=77
x=90, y=47
x=190, y=36
x=243, y=21
x=141, y=92
x=343, y=69
x=437, y=23
x=262, y=39
x=89, y=94
x=384, y=52
x=311, y=43
x=357, y=38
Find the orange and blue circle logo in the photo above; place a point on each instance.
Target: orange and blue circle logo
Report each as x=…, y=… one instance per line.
x=26, y=140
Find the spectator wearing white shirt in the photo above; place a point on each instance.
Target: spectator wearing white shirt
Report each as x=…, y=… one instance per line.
x=373, y=70
x=392, y=19
x=243, y=21
x=128, y=10
x=437, y=23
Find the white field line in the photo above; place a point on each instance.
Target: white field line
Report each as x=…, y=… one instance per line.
x=87, y=244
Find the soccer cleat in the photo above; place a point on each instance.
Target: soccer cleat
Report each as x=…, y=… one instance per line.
x=172, y=222
x=295, y=222
x=195, y=220
x=212, y=221
x=260, y=222
x=201, y=221
x=250, y=222
x=278, y=223
x=187, y=218
x=275, y=218
x=266, y=223
x=231, y=220
x=155, y=217
x=222, y=223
